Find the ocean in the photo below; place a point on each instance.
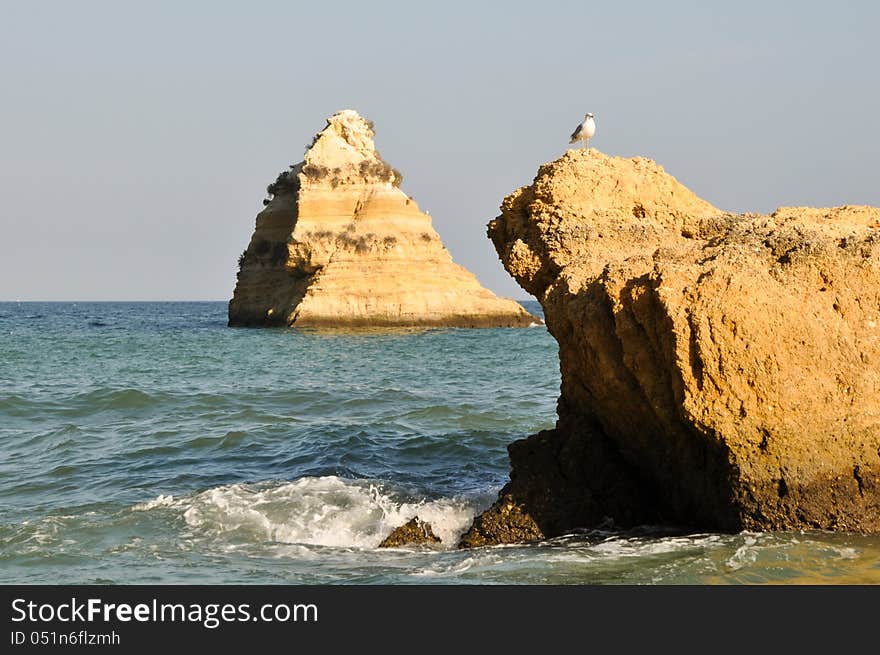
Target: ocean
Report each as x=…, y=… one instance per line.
x=149, y=443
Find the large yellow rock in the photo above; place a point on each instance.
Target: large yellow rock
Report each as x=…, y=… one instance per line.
x=339, y=244
x=718, y=371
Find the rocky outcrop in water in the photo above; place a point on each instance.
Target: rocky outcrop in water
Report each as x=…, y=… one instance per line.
x=414, y=532
x=339, y=244
x=718, y=371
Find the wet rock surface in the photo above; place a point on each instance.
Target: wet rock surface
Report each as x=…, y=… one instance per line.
x=414, y=532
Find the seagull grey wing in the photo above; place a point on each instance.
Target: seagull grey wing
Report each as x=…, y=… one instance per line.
x=576, y=134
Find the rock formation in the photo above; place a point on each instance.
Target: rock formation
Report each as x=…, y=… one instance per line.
x=339, y=244
x=413, y=532
x=719, y=371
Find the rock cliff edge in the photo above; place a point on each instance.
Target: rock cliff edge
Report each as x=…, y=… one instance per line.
x=719, y=371
x=339, y=244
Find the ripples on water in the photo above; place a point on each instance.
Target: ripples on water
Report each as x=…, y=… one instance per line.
x=147, y=442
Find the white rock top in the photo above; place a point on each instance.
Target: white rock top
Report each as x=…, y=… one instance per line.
x=347, y=140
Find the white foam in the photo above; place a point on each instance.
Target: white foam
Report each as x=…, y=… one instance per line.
x=325, y=511
x=441, y=569
x=618, y=547
x=846, y=553
x=161, y=501
x=745, y=554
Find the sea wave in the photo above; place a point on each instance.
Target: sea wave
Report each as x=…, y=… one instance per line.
x=321, y=511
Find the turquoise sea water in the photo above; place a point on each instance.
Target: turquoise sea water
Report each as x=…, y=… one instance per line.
x=149, y=443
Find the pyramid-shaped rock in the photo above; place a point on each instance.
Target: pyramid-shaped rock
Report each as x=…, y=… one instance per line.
x=339, y=244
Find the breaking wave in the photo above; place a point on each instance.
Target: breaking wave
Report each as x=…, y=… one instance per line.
x=321, y=511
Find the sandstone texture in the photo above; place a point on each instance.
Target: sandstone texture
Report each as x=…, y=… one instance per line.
x=719, y=371
x=414, y=532
x=339, y=244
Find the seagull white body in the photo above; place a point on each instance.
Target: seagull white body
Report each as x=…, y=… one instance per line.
x=584, y=131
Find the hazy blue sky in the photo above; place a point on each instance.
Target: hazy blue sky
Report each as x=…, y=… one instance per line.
x=137, y=138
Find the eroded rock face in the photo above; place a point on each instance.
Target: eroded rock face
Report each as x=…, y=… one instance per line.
x=718, y=371
x=414, y=532
x=339, y=244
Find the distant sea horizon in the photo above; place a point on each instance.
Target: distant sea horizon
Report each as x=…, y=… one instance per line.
x=226, y=300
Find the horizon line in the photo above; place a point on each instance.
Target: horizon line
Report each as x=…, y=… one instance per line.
x=179, y=300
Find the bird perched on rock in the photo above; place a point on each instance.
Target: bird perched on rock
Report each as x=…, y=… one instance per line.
x=584, y=131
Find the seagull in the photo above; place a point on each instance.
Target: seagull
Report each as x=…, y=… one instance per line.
x=584, y=131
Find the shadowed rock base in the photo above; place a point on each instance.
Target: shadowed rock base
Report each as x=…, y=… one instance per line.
x=561, y=480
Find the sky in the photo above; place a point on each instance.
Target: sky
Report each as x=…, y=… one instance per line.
x=137, y=139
